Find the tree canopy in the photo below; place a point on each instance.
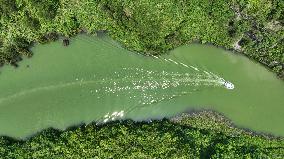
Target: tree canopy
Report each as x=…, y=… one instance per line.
x=252, y=27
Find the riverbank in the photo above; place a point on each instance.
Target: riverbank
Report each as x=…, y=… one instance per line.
x=188, y=136
x=110, y=79
x=216, y=121
x=252, y=28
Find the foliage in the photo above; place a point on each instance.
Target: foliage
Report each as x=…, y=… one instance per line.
x=176, y=138
x=7, y=7
x=253, y=27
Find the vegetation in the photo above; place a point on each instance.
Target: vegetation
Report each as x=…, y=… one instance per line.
x=253, y=27
x=187, y=136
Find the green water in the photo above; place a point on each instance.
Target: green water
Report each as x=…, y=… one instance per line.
x=94, y=79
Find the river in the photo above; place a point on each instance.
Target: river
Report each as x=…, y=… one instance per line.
x=94, y=79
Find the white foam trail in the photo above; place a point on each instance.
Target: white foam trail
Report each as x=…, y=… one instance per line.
x=156, y=57
x=194, y=68
x=207, y=72
x=179, y=63
x=173, y=61
x=184, y=65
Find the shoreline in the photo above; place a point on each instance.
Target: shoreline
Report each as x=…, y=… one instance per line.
x=224, y=119
x=253, y=29
x=209, y=114
x=189, y=112
x=102, y=33
x=162, y=138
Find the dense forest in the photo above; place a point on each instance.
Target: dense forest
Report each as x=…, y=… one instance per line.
x=252, y=27
x=202, y=135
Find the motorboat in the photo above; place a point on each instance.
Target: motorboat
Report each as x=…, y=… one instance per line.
x=229, y=85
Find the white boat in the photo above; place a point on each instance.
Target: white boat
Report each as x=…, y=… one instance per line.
x=229, y=85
